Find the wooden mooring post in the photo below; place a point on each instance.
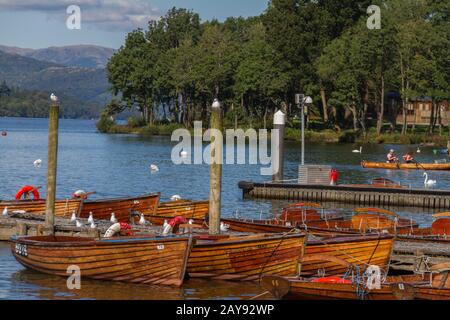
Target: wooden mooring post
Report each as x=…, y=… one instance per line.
x=215, y=168
x=52, y=165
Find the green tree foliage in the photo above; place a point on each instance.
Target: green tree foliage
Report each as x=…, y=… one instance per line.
x=322, y=48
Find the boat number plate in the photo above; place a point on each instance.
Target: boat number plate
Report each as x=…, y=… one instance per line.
x=160, y=247
x=21, y=249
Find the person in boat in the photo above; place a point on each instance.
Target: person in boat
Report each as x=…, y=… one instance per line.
x=408, y=158
x=391, y=157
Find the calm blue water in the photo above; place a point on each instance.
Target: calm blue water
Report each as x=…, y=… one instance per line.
x=118, y=165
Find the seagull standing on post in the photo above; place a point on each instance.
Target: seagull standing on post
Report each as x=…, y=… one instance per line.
x=53, y=97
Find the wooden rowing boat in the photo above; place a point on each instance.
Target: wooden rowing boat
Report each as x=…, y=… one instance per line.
x=184, y=208
x=121, y=207
x=148, y=260
x=361, y=251
x=63, y=208
x=405, y=166
x=353, y=247
x=433, y=286
x=246, y=257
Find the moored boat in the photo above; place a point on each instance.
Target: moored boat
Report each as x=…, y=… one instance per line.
x=121, y=207
x=148, y=260
x=406, y=166
x=63, y=208
x=246, y=257
x=183, y=208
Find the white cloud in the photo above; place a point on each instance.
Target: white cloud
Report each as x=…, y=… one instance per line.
x=106, y=14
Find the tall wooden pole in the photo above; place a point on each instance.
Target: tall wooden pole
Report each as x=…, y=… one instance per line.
x=53, y=124
x=215, y=186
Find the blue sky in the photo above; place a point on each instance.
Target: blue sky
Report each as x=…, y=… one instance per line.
x=42, y=23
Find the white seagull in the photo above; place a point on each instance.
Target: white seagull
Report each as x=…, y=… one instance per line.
x=37, y=163
x=78, y=224
x=53, y=97
x=154, y=168
x=91, y=218
x=74, y=217
x=93, y=226
x=5, y=211
x=142, y=220
x=113, y=218
x=224, y=227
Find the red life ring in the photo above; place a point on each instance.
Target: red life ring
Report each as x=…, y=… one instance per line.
x=332, y=279
x=27, y=189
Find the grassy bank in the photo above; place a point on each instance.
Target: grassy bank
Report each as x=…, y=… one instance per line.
x=292, y=134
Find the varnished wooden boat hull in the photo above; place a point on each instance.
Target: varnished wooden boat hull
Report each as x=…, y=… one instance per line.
x=183, y=208
x=405, y=166
x=102, y=209
x=247, y=257
x=63, y=208
x=305, y=289
x=149, y=260
x=361, y=251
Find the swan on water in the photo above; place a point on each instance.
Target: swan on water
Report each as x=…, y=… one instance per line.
x=358, y=151
x=429, y=183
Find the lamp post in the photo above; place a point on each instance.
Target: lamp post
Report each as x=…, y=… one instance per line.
x=301, y=100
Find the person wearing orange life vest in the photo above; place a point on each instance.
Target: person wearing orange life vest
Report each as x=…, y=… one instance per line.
x=391, y=157
x=408, y=158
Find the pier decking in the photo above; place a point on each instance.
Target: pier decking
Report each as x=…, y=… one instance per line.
x=360, y=196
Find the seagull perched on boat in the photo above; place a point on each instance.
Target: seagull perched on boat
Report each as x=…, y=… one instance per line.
x=53, y=97
x=142, y=219
x=175, y=198
x=418, y=150
x=191, y=221
x=74, y=217
x=5, y=211
x=358, y=151
x=429, y=183
x=224, y=227
x=93, y=226
x=113, y=218
x=91, y=218
x=37, y=163
x=78, y=224
x=154, y=168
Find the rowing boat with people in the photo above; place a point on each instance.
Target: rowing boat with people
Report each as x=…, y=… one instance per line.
x=406, y=166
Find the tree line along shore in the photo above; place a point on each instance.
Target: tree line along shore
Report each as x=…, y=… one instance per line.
x=375, y=85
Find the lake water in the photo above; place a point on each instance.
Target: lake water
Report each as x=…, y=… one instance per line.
x=118, y=165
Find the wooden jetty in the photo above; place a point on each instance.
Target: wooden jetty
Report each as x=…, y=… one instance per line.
x=358, y=195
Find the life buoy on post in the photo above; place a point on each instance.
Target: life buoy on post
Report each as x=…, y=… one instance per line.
x=27, y=189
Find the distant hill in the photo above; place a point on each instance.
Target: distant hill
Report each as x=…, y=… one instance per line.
x=87, y=56
x=83, y=86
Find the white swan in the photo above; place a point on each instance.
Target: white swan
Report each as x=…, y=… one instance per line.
x=358, y=151
x=429, y=183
